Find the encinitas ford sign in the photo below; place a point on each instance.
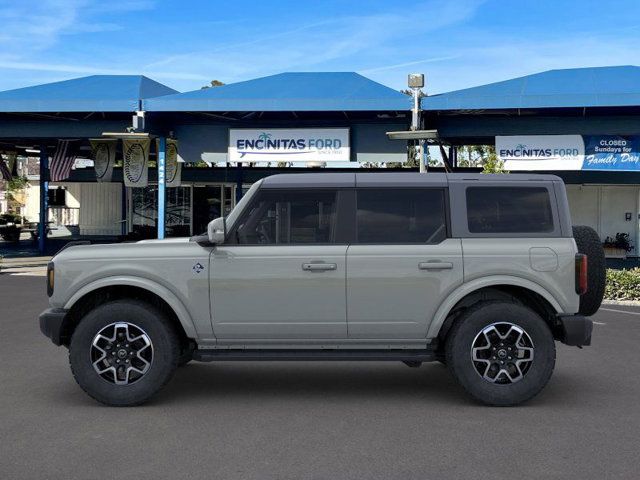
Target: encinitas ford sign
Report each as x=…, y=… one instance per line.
x=569, y=152
x=541, y=152
x=289, y=145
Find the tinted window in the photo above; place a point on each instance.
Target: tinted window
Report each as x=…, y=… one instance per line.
x=289, y=217
x=389, y=215
x=509, y=210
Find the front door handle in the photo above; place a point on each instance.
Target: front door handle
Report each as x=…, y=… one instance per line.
x=435, y=265
x=319, y=267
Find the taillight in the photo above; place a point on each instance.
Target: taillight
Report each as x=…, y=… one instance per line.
x=50, y=278
x=581, y=273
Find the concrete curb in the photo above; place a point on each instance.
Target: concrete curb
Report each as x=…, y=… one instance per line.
x=631, y=303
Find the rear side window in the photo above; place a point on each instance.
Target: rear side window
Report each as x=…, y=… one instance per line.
x=509, y=210
x=389, y=215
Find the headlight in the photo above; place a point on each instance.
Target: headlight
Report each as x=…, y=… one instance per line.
x=50, y=278
x=10, y=224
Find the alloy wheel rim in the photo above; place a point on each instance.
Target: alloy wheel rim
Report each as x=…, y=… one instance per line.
x=121, y=353
x=502, y=353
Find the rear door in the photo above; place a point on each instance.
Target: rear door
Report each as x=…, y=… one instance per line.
x=402, y=263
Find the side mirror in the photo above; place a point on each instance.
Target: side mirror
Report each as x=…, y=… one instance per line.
x=217, y=230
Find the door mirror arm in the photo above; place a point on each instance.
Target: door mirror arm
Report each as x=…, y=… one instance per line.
x=202, y=240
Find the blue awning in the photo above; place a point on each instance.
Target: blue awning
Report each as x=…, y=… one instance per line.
x=96, y=93
x=298, y=92
x=575, y=87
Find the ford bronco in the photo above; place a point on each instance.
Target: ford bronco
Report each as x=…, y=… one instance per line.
x=480, y=272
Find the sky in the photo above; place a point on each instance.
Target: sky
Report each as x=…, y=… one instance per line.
x=185, y=44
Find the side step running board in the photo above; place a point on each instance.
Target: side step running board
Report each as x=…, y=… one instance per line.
x=313, y=355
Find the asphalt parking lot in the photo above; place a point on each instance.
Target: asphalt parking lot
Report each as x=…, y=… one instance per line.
x=316, y=420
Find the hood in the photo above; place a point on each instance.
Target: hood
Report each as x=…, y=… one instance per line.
x=105, y=251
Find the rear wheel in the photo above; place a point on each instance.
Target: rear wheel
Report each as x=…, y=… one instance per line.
x=501, y=353
x=123, y=352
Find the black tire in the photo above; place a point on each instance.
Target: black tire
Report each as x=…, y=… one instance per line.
x=458, y=350
x=165, y=344
x=589, y=243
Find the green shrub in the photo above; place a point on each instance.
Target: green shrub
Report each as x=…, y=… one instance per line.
x=623, y=284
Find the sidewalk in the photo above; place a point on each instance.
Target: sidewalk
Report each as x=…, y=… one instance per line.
x=16, y=265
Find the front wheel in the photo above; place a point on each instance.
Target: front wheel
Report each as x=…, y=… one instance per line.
x=502, y=353
x=123, y=352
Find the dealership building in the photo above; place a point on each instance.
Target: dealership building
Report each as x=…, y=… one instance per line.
x=580, y=124
x=211, y=144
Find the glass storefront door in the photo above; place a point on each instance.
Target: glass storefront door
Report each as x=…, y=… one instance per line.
x=143, y=212
x=209, y=202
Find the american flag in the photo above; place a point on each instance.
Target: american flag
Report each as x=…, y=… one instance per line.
x=62, y=160
x=4, y=170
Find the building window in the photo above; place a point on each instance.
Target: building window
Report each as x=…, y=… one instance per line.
x=509, y=210
x=57, y=197
x=401, y=216
x=144, y=208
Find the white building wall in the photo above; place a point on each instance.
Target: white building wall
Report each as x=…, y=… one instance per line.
x=73, y=195
x=31, y=210
x=605, y=208
x=100, y=208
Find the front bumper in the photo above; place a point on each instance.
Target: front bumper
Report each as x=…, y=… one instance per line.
x=575, y=330
x=51, y=324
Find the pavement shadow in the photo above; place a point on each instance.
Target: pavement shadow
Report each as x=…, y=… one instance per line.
x=311, y=380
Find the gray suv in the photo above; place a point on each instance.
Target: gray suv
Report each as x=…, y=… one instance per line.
x=480, y=272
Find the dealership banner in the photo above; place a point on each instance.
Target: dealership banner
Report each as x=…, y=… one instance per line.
x=541, y=152
x=104, y=156
x=611, y=152
x=289, y=145
x=172, y=167
x=569, y=152
x=135, y=153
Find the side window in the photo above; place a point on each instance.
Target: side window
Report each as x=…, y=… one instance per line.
x=390, y=215
x=509, y=210
x=283, y=217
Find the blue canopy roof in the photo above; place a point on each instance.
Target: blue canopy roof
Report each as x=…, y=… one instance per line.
x=96, y=93
x=575, y=87
x=317, y=91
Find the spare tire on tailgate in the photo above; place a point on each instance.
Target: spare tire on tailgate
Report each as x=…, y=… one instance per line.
x=589, y=243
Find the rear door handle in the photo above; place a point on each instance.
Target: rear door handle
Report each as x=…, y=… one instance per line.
x=435, y=265
x=319, y=267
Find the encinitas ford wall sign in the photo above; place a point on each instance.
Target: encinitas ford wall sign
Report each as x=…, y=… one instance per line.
x=569, y=152
x=541, y=152
x=289, y=145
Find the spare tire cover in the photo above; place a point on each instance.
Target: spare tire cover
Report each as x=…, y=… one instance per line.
x=589, y=243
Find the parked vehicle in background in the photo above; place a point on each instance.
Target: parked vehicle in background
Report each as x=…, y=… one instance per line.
x=481, y=272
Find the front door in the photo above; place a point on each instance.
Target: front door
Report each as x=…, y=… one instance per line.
x=282, y=273
x=402, y=263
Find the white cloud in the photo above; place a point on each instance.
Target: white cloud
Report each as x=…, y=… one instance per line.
x=363, y=42
x=96, y=70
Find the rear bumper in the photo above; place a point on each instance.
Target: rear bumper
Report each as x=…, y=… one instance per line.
x=575, y=330
x=51, y=321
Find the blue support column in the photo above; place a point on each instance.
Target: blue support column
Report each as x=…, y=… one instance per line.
x=162, y=185
x=44, y=200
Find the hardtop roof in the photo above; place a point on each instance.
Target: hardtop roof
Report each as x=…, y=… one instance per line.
x=393, y=179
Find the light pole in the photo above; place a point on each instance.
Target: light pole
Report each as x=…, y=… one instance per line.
x=415, y=82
